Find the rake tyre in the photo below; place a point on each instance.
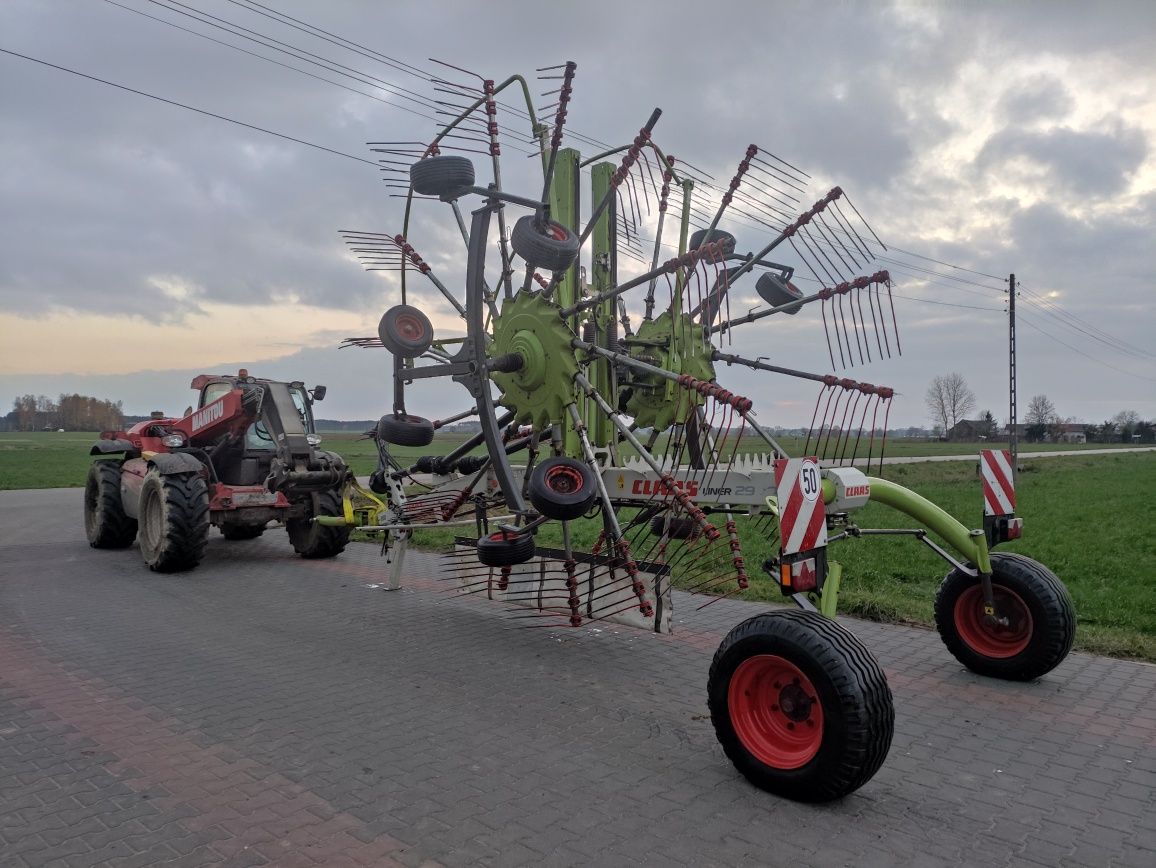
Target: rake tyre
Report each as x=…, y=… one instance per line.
x=552, y=250
x=174, y=521
x=314, y=541
x=405, y=331
x=105, y=523
x=403, y=430
x=675, y=527
x=1040, y=619
x=444, y=175
x=562, y=488
x=800, y=706
x=502, y=550
x=698, y=237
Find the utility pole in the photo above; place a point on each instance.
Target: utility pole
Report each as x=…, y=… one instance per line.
x=1013, y=433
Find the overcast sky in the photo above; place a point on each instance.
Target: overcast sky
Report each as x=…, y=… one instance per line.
x=141, y=243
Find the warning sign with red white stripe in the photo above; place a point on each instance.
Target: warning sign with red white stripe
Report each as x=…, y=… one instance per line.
x=802, y=518
x=999, y=494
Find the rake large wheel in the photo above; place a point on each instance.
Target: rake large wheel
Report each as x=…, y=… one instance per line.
x=1034, y=626
x=405, y=331
x=105, y=523
x=174, y=521
x=404, y=430
x=800, y=706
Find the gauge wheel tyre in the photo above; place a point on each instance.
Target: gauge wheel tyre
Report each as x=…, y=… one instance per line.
x=562, y=488
x=554, y=250
x=1040, y=619
x=503, y=550
x=675, y=527
x=800, y=706
x=105, y=522
x=405, y=430
x=174, y=521
x=444, y=175
x=405, y=331
x=315, y=541
x=716, y=237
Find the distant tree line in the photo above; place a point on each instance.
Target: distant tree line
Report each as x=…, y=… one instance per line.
x=70, y=412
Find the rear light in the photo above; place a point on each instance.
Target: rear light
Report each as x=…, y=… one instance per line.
x=173, y=440
x=313, y=439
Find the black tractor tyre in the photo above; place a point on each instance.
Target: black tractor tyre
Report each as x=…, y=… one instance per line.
x=405, y=331
x=562, y=488
x=405, y=430
x=173, y=521
x=314, y=541
x=105, y=522
x=505, y=550
x=232, y=531
x=675, y=527
x=443, y=175
x=554, y=250
x=800, y=706
x=1041, y=620
x=727, y=241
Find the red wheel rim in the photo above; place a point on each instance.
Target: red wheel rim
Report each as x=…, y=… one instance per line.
x=557, y=231
x=994, y=640
x=564, y=480
x=775, y=711
x=409, y=327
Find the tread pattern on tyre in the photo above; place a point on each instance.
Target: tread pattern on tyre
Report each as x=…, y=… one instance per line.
x=541, y=251
x=1053, y=618
x=405, y=430
x=185, y=516
x=506, y=552
x=105, y=523
x=858, y=736
x=442, y=175
x=314, y=541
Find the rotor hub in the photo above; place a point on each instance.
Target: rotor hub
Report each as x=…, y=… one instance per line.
x=678, y=344
x=541, y=389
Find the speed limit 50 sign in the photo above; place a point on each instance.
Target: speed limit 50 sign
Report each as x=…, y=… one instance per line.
x=802, y=518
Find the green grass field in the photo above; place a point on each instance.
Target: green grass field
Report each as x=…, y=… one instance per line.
x=1089, y=518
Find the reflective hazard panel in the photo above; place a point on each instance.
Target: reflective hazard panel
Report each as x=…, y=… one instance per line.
x=999, y=494
x=802, y=519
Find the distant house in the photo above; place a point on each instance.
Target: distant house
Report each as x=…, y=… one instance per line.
x=1058, y=432
x=969, y=430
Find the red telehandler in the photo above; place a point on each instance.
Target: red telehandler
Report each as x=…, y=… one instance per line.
x=246, y=456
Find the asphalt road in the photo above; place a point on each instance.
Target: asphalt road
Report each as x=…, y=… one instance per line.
x=264, y=709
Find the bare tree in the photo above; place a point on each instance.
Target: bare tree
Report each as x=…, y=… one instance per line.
x=949, y=400
x=1041, y=411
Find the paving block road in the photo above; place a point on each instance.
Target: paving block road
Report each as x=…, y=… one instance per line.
x=268, y=710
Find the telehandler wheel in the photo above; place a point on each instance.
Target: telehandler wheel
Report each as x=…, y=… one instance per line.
x=1036, y=620
x=174, y=521
x=553, y=248
x=105, y=523
x=675, y=527
x=312, y=540
x=441, y=175
x=504, y=550
x=242, y=531
x=800, y=706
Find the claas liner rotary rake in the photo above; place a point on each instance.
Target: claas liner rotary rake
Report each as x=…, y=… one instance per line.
x=246, y=456
x=601, y=412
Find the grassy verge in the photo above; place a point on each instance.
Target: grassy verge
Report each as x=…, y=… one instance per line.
x=1089, y=518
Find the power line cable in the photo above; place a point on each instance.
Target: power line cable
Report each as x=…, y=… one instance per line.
x=1032, y=325
x=190, y=108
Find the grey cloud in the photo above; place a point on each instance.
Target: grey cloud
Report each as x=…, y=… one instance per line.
x=1040, y=98
x=1085, y=163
